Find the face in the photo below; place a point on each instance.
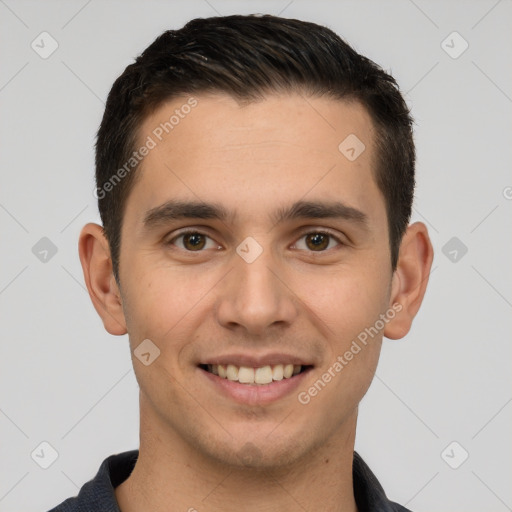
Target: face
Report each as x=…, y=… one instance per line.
x=286, y=263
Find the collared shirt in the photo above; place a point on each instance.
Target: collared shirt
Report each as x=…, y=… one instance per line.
x=98, y=495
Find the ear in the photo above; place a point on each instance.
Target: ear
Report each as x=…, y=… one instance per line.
x=98, y=274
x=410, y=279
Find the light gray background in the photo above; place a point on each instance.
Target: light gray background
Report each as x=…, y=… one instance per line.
x=65, y=381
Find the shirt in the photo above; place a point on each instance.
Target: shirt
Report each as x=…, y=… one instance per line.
x=97, y=495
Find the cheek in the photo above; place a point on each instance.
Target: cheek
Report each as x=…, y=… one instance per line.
x=351, y=304
x=162, y=303
x=168, y=306
x=160, y=299
x=345, y=301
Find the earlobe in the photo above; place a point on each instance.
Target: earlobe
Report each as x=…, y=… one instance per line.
x=409, y=282
x=97, y=267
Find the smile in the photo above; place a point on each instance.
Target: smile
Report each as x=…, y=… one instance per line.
x=255, y=376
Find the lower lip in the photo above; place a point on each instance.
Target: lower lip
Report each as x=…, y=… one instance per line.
x=256, y=394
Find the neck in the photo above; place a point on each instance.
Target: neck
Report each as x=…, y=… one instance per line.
x=171, y=472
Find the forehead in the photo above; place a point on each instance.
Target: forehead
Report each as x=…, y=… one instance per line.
x=211, y=147
x=221, y=122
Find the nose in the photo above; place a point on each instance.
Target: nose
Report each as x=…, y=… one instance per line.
x=255, y=297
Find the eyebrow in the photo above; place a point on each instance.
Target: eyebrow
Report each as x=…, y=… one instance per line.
x=319, y=210
x=175, y=210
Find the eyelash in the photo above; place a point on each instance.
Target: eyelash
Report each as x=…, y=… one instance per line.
x=197, y=232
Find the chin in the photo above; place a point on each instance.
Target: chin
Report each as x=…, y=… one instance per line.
x=258, y=454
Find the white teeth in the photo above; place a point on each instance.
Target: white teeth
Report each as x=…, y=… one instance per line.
x=288, y=371
x=246, y=375
x=232, y=372
x=277, y=372
x=261, y=376
x=222, y=371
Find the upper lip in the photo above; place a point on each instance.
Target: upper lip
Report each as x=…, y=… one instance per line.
x=257, y=361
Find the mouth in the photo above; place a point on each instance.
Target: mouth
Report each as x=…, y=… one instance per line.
x=259, y=376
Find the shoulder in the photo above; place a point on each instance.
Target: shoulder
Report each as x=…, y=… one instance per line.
x=368, y=492
x=98, y=494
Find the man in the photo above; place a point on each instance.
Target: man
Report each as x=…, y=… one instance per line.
x=255, y=178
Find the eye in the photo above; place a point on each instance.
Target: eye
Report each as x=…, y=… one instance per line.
x=318, y=241
x=192, y=241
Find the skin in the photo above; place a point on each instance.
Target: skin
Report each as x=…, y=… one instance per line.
x=294, y=298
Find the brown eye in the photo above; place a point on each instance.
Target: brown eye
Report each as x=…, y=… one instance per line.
x=317, y=241
x=194, y=241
